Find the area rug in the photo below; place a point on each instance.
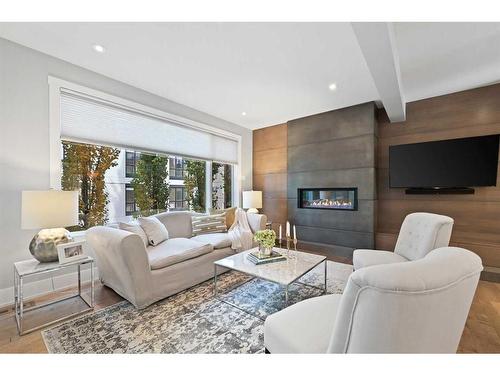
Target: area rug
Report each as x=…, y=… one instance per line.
x=191, y=321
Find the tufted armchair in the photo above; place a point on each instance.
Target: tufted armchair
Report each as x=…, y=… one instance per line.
x=420, y=233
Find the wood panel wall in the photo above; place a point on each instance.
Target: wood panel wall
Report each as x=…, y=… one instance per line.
x=270, y=171
x=477, y=217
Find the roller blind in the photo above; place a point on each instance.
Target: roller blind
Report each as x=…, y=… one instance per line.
x=92, y=121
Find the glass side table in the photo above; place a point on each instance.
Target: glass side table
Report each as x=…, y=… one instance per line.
x=33, y=268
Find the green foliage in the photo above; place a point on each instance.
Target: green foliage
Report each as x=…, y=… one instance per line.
x=150, y=184
x=266, y=237
x=195, y=184
x=84, y=167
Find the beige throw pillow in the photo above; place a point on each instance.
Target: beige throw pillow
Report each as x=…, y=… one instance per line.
x=154, y=229
x=230, y=215
x=135, y=228
x=209, y=224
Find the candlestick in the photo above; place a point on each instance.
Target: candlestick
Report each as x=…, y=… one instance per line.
x=294, y=232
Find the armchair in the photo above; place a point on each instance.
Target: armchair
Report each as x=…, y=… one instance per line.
x=409, y=307
x=420, y=233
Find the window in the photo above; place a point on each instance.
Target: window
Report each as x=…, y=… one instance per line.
x=130, y=205
x=99, y=135
x=131, y=158
x=196, y=184
x=84, y=168
x=222, y=179
x=178, y=198
x=177, y=170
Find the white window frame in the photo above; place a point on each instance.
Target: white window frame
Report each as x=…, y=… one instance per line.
x=55, y=86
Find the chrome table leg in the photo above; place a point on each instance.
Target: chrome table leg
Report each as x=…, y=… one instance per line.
x=79, y=280
x=215, y=280
x=326, y=273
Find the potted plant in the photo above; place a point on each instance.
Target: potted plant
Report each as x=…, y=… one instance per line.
x=266, y=240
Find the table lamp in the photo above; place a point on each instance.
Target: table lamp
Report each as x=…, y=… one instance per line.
x=252, y=200
x=50, y=211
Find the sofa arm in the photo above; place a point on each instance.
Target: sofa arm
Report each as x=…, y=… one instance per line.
x=123, y=263
x=257, y=221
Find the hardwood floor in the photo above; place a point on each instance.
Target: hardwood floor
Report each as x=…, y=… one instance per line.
x=481, y=333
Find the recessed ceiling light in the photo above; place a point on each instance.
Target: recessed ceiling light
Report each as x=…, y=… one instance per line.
x=243, y=113
x=99, y=48
x=332, y=86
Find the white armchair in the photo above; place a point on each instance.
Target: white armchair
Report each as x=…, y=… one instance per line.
x=410, y=307
x=420, y=233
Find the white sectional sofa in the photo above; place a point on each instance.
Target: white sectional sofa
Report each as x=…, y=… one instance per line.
x=144, y=275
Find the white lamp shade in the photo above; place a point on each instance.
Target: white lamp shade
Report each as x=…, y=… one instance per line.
x=252, y=199
x=49, y=209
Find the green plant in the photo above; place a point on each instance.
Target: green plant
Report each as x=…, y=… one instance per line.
x=266, y=237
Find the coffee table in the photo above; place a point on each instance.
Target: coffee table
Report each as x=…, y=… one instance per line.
x=283, y=273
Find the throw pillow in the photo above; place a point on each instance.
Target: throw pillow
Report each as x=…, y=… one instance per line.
x=135, y=228
x=154, y=229
x=209, y=224
x=230, y=215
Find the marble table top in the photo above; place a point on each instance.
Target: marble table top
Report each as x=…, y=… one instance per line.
x=283, y=272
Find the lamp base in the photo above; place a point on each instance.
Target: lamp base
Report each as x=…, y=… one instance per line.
x=253, y=211
x=43, y=246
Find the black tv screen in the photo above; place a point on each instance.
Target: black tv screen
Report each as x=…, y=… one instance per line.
x=464, y=162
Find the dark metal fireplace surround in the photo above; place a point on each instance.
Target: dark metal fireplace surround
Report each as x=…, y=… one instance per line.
x=345, y=199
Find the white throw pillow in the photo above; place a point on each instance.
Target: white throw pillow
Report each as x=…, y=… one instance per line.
x=155, y=230
x=134, y=227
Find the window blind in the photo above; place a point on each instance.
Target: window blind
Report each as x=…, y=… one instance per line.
x=93, y=121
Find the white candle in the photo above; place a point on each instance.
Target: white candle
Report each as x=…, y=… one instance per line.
x=294, y=232
x=288, y=229
x=280, y=232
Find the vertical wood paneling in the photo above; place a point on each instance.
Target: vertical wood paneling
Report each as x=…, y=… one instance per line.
x=477, y=217
x=270, y=171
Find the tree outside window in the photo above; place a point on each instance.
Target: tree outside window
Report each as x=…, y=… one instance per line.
x=195, y=184
x=221, y=186
x=83, y=168
x=151, y=187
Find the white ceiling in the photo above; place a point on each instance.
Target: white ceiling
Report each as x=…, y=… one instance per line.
x=440, y=58
x=272, y=71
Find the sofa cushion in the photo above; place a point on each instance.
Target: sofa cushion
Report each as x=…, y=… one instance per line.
x=134, y=227
x=175, y=250
x=217, y=240
x=290, y=330
x=209, y=224
x=178, y=223
x=154, y=229
x=365, y=258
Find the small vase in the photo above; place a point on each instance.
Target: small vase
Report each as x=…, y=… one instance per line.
x=265, y=251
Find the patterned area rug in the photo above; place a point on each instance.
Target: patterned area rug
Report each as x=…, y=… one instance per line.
x=191, y=321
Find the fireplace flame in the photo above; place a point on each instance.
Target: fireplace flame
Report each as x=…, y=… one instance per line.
x=326, y=203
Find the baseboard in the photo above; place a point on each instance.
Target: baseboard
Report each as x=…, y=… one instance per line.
x=491, y=274
x=322, y=248
x=45, y=286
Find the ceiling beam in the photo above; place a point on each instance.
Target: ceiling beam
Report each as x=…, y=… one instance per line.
x=378, y=46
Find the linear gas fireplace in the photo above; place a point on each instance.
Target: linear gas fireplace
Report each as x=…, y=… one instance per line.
x=328, y=198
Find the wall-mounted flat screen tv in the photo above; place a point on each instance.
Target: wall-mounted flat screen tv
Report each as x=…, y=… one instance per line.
x=464, y=162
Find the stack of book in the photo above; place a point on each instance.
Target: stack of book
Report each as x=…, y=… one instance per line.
x=257, y=258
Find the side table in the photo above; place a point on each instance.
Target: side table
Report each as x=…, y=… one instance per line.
x=30, y=268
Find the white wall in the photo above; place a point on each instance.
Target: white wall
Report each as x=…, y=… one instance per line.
x=24, y=136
